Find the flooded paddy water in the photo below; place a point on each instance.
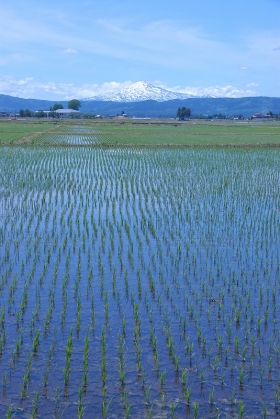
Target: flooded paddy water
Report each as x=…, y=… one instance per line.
x=139, y=282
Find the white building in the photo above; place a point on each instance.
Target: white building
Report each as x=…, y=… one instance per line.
x=68, y=113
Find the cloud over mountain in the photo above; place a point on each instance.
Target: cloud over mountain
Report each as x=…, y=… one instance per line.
x=126, y=91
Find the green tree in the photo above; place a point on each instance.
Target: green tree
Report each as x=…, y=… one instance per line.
x=74, y=104
x=56, y=106
x=186, y=112
x=53, y=114
x=40, y=114
x=27, y=113
x=183, y=113
x=178, y=114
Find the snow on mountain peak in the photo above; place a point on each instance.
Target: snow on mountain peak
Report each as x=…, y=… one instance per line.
x=138, y=92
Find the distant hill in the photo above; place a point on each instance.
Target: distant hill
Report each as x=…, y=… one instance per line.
x=150, y=108
x=199, y=106
x=14, y=104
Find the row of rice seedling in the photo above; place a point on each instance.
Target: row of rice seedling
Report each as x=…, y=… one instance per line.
x=139, y=282
x=61, y=139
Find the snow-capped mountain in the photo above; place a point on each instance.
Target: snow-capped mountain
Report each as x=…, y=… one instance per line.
x=140, y=91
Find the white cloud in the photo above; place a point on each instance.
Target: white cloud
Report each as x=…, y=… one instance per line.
x=252, y=84
x=32, y=88
x=163, y=42
x=69, y=51
x=243, y=68
x=217, y=91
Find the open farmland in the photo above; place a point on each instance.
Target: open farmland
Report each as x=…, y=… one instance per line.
x=139, y=282
x=114, y=133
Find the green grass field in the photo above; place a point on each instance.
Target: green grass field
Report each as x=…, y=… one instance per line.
x=14, y=132
x=139, y=133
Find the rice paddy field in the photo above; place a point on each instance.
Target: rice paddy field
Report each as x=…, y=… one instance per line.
x=138, y=282
x=117, y=133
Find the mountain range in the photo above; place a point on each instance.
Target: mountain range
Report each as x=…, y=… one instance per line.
x=145, y=100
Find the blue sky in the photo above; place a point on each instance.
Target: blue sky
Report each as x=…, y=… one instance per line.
x=62, y=49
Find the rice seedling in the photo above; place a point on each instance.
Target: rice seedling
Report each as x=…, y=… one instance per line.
x=45, y=378
x=264, y=410
x=241, y=407
x=184, y=376
x=195, y=410
x=173, y=407
x=188, y=395
x=211, y=396
x=150, y=412
x=147, y=394
x=176, y=363
x=85, y=361
x=103, y=357
x=81, y=408
x=162, y=378
x=105, y=407
x=175, y=292
x=261, y=375
x=36, y=341
x=127, y=411
x=9, y=413
x=241, y=376
x=35, y=405
x=4, y=380
x=269, y=363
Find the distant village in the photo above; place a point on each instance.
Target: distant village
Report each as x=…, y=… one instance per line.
x=57, y=111
x=74, y=114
